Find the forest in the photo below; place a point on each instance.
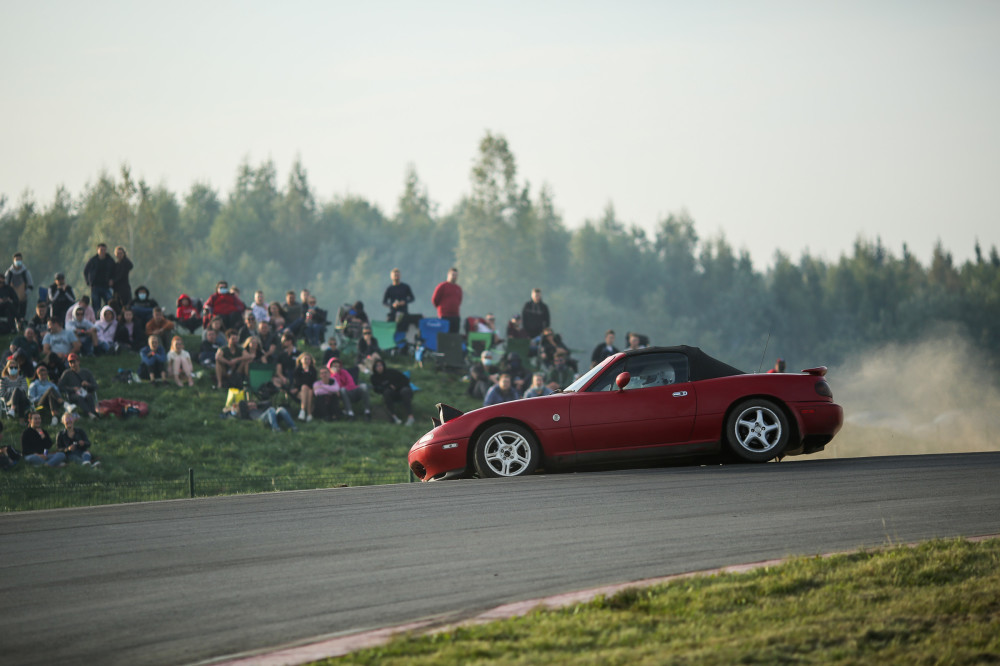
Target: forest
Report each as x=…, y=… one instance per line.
x=505, y=238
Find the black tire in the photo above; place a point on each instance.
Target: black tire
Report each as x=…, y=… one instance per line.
x=506, y=450
x=757, y=431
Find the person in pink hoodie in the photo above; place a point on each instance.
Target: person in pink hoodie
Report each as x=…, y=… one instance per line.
x=349, y=390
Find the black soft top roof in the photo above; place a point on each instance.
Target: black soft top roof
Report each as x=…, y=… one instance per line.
x=701, y=365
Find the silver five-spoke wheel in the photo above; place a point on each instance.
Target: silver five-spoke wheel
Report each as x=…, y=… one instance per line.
x=506, y=450
x=757, y=430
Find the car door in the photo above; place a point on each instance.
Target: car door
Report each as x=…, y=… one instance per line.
x=656, y=408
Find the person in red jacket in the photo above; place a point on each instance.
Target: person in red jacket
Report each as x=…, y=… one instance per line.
x=447, y=298
x=187, y=313
x=223, y=303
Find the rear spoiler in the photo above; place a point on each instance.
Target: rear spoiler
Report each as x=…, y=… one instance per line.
x=446, y=413
x=817, y=372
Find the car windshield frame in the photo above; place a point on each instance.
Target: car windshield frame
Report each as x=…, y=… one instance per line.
x=585, y=378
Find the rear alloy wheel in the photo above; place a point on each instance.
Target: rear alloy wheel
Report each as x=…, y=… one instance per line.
x=757, y=430
x=506, y=449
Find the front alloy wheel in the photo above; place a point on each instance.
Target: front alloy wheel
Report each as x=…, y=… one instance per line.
x=506, y=449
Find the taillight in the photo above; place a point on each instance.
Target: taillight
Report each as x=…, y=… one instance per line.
x=824, y=389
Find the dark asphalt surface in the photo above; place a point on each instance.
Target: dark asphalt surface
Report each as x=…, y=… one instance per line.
x=191, y=580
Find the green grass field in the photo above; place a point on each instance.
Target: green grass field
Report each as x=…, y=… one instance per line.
x=937, y=603
x=149, y=457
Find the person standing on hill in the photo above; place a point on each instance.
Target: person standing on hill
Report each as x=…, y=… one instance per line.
x=398, y=296
x=100, y=276
x=535, y=314
x=122, y=285
x=19, y=279
x=447, y=298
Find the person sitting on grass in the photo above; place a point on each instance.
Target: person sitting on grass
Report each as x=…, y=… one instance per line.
x=44, y=395
x=36, y=445
x=395, y=389
x=252, y=410
x=9, y=456
x=153, y=361
x=85, y=331
x=106, y=328
x=160, y=326
x=502, y=391
x=368, y=349
x=14, y=390
x=28, y=343
x=79, y=388
x=349, y=390
x=187, y=315
x=209, y=347
x=74, y=444
x=538, y=387
x=229, y=361
x=560, y=375
x=129, y=334
x=326, y=396
x=179, y=367
x=330, y=350
x=302, y=385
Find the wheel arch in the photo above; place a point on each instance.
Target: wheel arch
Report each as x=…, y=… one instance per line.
x=470, y=450
x=794, y=437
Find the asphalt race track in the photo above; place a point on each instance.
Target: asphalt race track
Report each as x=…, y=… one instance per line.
x=191, y=580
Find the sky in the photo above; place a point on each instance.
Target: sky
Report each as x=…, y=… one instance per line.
x=788, y=126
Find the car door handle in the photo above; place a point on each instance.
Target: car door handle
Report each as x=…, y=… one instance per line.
x=680, y=394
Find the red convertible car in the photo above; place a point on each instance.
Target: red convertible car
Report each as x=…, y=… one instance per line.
x=636, y=406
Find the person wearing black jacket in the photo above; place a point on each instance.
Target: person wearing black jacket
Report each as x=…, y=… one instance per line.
x=9, y=456
x=61, y=297
x=130, y=334
x=535, y=314
x=100, y=276
x=36, y=445
x=398, y=296
x=395, y=389
x=74, y=443
x=605, y=349
x=123, y=266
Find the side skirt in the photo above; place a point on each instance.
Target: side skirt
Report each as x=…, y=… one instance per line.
x=648, y=453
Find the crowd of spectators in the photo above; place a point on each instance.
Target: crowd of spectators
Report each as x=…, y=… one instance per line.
x=238, y=337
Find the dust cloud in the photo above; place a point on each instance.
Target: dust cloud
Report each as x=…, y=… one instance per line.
x=934, y=396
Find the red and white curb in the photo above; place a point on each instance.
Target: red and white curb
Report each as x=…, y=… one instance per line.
x=341, y=645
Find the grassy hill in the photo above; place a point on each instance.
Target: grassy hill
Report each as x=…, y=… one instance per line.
x=150, y=457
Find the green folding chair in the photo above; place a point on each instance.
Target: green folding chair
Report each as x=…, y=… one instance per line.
x=522, y=346
x=478, y=343
x=259, y=374
x=384, y=333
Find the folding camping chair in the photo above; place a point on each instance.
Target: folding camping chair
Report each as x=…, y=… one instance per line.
x=522, y=346
x=384, y=333
x=430, y=327
x=479, y=342
x=450, y=353
x=258, y=376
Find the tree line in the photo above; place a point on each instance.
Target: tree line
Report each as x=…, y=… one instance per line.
x=671, y=285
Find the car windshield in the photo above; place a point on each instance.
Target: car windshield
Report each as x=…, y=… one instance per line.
x=583, y=379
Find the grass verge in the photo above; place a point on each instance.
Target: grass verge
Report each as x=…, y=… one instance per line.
x=936, y=603
x=148, y=458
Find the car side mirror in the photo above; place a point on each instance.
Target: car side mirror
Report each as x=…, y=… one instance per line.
x=622, y=380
